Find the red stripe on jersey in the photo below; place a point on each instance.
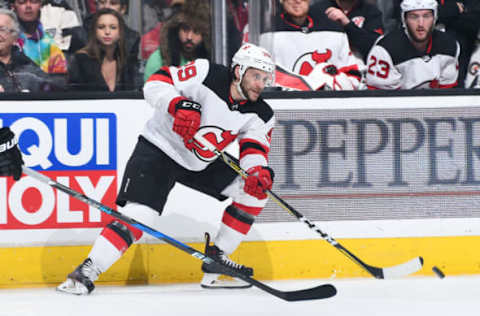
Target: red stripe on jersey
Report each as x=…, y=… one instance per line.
x=253, y=141
x=160, y=77
x=173, y=103
x=430, y=43
x=248, y=209
x=290, y=80
x=309, y=19
x=350, y=71
x=235, y=224
x=163, y=75
x=372, y=87
x=251, y=150
x=116, y=240
x=448, y=86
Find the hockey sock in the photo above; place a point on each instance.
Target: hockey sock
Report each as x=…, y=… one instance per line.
x=236, y=223
x=117, y=236
x=110, y=245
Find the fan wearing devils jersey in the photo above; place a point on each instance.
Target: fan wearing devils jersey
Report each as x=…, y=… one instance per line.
x=417, y=56
x=320, y=48
x=221, y=105
x=361, y=21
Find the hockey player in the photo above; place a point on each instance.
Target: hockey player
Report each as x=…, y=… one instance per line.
x=10, y=157
x=417, y=57
x=223, y=106
x=472, y=79
x=362, y=22
x=320, y=51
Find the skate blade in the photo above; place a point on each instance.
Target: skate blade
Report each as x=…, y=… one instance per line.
x=219, y=281
x=72, y=287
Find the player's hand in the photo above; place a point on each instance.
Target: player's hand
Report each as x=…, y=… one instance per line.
x=10, y=157
x=187, y=120
x=337, y=15
x=260, y=178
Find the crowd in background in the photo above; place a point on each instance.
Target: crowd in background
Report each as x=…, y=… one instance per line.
x=98, y=45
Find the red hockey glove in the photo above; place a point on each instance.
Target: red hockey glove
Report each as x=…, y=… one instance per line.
x=10, y=157
x=187, y=120
x=259, y=179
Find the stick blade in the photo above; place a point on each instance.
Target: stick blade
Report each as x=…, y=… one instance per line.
x=315, y=293
x=403, y=269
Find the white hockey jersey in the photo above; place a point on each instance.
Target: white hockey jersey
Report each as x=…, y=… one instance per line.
x=472, y=79
x=222, y=120
x=299, y=49
x=394, y=63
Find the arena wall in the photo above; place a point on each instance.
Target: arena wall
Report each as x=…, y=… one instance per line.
x=390, y=178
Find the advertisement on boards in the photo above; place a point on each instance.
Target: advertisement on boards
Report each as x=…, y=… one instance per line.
x=78, y=150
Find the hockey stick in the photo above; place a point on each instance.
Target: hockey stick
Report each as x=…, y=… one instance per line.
x=396, y=271
x=318, y=292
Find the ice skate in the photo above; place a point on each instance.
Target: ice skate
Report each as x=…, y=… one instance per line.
x=212, y=275
x=80, y=281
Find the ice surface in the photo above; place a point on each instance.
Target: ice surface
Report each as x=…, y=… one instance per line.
x=410, y=296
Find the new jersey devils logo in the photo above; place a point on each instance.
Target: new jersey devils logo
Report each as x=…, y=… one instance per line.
x=215, y=135
x=305, y=63
x=359, y=21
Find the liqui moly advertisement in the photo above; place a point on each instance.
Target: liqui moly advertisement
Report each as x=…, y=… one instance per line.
x=75, y=149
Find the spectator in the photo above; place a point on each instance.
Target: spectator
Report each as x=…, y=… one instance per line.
x=155, y=15
x=185, y=37
x=63, y=25
x=418, y=57
x=132, y=37
x=102, y=65
x=320, y=44
x=237, y=18
x=461, y=19
x=361, y=21
x=34, y=41
x=17, y=72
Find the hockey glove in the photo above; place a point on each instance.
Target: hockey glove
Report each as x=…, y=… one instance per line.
x=187, y=120
x=10, y=157
x=259, y=179
x=328, y=77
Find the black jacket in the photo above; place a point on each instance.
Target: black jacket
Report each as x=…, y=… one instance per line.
x=21, y=74
x=84, y=73
x=132, y=39
x=365, y=27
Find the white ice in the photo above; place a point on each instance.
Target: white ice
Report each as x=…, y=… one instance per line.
x=411, y=296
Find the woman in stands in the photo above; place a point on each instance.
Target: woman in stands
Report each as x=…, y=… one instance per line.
x=102, y=64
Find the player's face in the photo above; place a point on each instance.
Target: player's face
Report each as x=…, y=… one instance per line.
x=189, y=37
x=253, y=83
x=296, y=8
x=420, y=24
x=7, y=35
x=27, y=10
x=108, y=30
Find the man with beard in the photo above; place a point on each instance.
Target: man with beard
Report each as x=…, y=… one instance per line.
x=185, y=37
x=417, y=56
x=222, y=105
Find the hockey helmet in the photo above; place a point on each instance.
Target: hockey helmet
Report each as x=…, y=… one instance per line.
x=252, y=56
x=412, y=5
